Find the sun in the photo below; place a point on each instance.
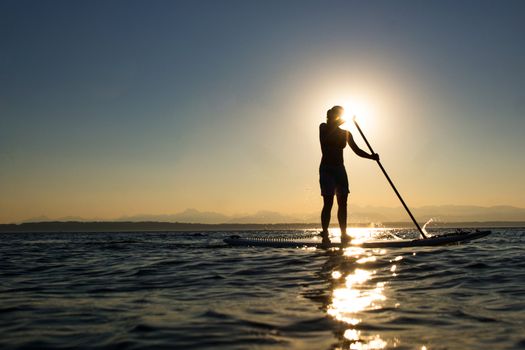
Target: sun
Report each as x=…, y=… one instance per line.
x=358, y=109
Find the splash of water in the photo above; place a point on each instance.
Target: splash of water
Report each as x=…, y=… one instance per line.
x=424, y=228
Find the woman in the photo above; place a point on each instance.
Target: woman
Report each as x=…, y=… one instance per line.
x=332, y=173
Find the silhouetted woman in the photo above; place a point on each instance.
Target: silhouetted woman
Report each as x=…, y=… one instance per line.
x=332, y=173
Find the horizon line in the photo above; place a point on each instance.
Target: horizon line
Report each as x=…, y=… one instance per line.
x=159, y=226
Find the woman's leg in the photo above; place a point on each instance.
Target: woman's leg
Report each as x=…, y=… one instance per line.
x=328, y=202
x=342, y=213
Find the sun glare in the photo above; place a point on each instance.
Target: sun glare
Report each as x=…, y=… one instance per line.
x=358, y=109
x=355, y=295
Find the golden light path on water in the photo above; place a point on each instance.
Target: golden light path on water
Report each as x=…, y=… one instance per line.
x=354, y=291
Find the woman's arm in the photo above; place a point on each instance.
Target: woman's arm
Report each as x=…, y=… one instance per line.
x=358, y=150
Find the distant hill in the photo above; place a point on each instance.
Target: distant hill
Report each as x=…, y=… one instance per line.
x=189, y=216
x=376, y=214
x=146, y=226
x=151, y=226
x=444, y=214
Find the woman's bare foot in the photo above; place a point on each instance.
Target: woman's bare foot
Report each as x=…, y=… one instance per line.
x=326, y=239
x=345, y=239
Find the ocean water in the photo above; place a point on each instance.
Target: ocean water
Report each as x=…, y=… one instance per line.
x=187, y=290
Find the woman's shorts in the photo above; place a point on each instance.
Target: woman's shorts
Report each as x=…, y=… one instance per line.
x=333, y=180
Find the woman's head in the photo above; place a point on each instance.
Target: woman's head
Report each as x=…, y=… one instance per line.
x=334, y=115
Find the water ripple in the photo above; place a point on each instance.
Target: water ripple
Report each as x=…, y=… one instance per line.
x=189, y=290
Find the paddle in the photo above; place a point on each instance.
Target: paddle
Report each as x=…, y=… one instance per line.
x=390, y=181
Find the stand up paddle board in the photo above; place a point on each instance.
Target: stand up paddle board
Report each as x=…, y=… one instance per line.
x=451, y=238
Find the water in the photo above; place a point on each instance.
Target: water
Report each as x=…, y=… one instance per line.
x=189, y=291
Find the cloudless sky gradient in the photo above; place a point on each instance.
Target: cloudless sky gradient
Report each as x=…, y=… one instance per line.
x=114, y=108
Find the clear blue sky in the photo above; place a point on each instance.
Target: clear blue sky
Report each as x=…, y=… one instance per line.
x=111, y=108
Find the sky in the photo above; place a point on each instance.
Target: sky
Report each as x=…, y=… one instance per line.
x=119, y=108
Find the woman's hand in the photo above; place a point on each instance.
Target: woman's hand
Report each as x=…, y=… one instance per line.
x=375, y=157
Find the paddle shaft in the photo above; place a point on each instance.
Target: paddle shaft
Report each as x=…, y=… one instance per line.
x=390, y=182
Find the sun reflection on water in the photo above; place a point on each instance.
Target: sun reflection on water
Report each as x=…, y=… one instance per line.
x=357, y=279
x=355, y=292
x=351, y=298
x=359, y=235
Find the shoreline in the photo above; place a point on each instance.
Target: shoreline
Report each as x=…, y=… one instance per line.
x=154, y=226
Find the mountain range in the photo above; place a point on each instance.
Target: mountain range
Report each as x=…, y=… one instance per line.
x=357, y=214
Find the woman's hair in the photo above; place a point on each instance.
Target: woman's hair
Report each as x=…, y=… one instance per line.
x=333, y=113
